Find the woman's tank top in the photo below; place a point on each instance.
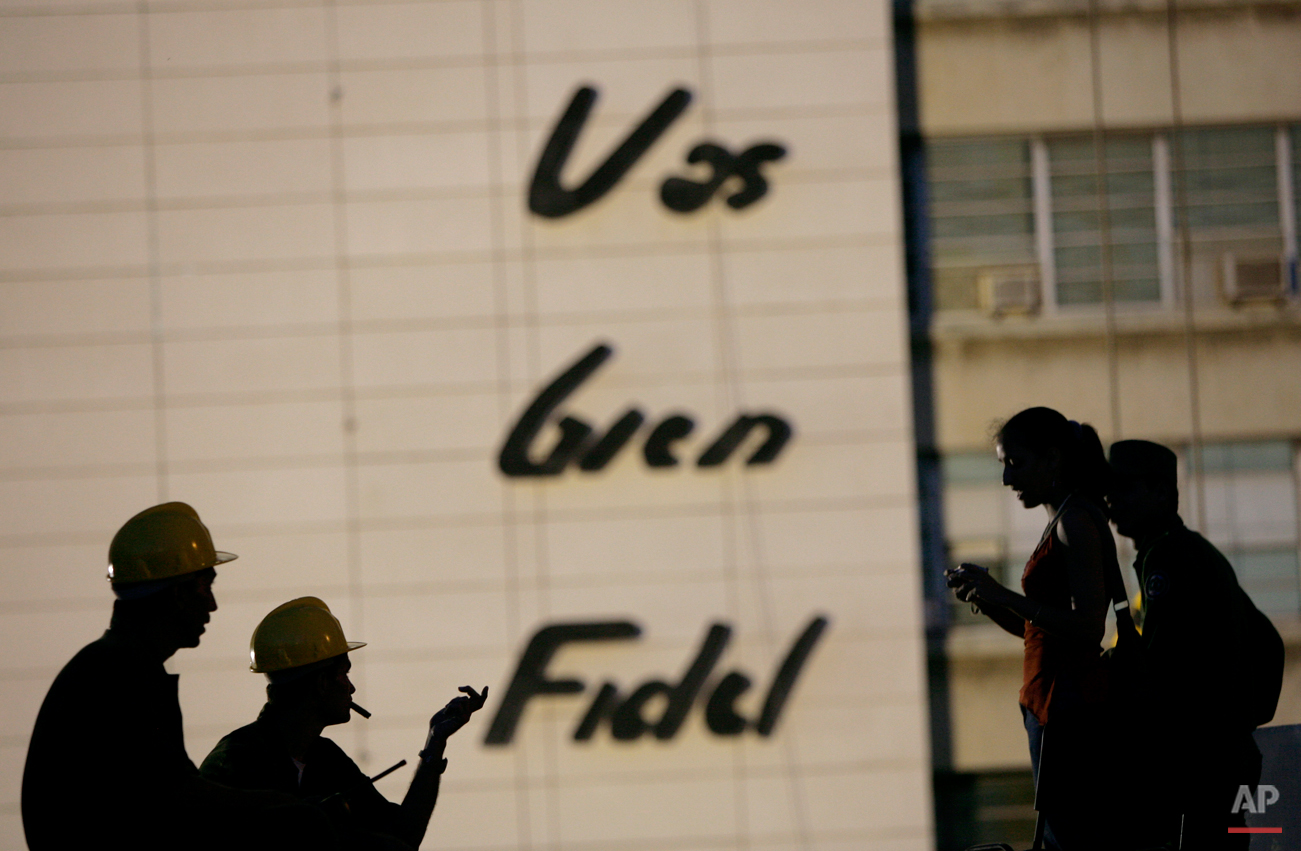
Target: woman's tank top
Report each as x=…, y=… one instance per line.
x=1057, y=670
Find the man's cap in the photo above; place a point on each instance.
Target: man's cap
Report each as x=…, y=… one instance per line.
x=1143, y=459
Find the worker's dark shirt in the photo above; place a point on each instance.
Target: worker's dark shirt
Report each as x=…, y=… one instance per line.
x=106, y=753
x=1196, y=748
x=252, y=758
x=1192, y=609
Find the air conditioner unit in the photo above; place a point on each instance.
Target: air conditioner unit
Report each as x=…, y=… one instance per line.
x=1007, y=290
x=1253, y=278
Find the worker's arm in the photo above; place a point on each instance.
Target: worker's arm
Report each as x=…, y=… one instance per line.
x=422, y=795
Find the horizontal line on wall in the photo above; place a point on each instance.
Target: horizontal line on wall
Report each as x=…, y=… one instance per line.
x=167, y=6
x=884, y=700
x=371, y=459
x=724, y=244
x=77, y=471
x=635, y=777
x=538, y=589
x=271, y=134
x=724, y=840
x=414, y=391
x=500, y=254
x=805, y=177
x=346, y=130
x=324, y=67
x=491, y=519
x=748, y=639
x=183, y=466
x=626, y=380
x=485, y=321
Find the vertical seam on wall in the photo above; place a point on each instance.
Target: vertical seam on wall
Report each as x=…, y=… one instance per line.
x=1185, y=278
x=1104, y=222
x=740, y=506
x=157, y=352
x=493, y=55
x=347, y=390
x=724, y=393
x=532, y=370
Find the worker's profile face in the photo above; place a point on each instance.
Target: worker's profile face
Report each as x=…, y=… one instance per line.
x=194, y=605
x=1030, y=474
x=337, y=691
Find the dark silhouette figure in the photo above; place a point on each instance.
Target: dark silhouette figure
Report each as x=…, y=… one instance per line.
x=107, y=767
x=1212, y=664
x=1058, y=464
x=301, y=648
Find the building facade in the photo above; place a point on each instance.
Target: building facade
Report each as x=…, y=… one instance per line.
x=1112, y=223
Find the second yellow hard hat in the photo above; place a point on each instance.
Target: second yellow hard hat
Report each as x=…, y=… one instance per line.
x=296, y=633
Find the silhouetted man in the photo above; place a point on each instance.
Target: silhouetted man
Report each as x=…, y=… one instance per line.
x=1194, y=733
x=107, y=767
x=301, y=649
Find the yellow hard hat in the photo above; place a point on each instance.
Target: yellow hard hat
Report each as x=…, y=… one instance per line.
x=299, y=632
x=162, y=542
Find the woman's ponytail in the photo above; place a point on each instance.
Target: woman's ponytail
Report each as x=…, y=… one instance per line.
x=1090, y=473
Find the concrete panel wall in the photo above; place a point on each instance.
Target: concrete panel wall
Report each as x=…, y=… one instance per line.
x=275, y=260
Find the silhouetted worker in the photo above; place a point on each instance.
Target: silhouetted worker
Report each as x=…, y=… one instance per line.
x=107, y=767
x=1207, y=657
x=301, y=649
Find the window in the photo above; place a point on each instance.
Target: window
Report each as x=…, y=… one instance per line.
x=1251, y=516
x=981, y=213
x=1033, y=212
x=1230, y=184
x=1129, y=219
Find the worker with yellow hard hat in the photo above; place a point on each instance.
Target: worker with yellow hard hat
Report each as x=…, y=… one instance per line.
x=301, y=648
x=106, y=766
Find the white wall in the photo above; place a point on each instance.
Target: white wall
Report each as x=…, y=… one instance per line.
x=273, y=259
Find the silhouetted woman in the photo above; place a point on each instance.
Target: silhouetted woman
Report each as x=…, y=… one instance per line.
x=1059, y=464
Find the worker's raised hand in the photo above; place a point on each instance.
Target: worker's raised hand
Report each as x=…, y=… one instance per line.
x=457, y=712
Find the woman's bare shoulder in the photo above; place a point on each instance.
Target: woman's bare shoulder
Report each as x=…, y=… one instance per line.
x=1079, y=525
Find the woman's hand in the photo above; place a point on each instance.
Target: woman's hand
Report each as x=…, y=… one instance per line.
x=972, y=583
